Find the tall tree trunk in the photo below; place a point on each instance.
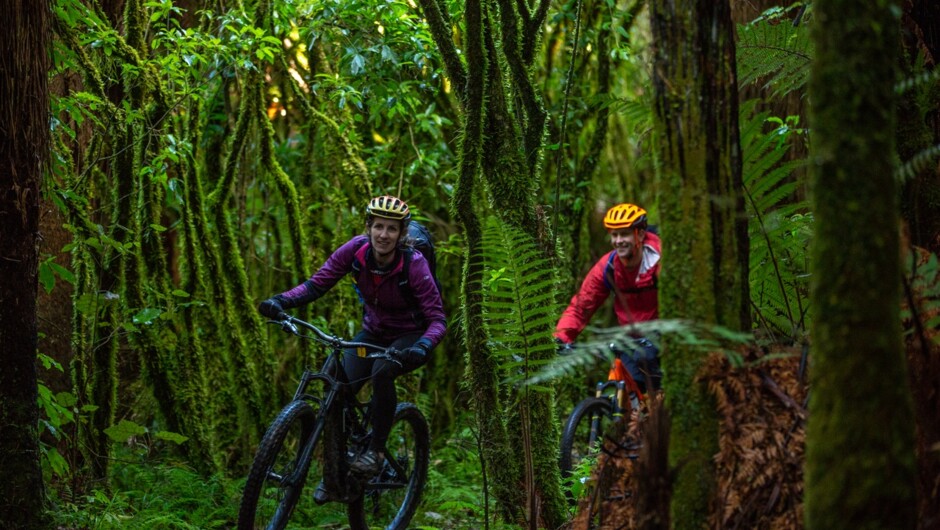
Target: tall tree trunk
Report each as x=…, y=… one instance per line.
x=703, y=222
x=859, y=441
x=24, y=147
x=511, y=119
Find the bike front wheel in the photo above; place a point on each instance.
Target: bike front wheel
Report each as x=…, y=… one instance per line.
x=279, y=470
x=390, y=500
x=584, y=432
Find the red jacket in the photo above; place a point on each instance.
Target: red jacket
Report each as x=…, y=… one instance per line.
x=637, y=295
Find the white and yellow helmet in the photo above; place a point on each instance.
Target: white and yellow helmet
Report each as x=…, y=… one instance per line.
x=389, y=207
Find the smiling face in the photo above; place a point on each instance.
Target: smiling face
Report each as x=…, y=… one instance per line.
x=626, y=242
x=384, y=235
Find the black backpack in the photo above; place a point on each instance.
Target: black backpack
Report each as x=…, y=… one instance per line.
x=423, y=242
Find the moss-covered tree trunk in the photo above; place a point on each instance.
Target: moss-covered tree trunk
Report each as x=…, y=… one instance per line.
x=703, y=224
x=519, y=432
x=24, y=147
x=859, y=441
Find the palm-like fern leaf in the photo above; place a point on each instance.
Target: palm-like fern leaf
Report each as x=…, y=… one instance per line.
x=919, y=162
x=774, y=53
x=779, y=229
x=520, y=301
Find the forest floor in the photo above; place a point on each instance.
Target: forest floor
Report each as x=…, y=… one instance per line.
x=762, y=413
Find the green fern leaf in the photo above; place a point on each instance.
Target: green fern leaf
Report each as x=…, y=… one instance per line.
x=774, y=54
x=778, y=228
x=520, y=300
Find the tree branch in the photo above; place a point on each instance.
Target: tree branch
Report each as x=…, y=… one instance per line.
x=533, y=26
x=534, y=126
x=440, y=31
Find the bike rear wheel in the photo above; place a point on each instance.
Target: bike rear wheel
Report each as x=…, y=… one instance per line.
x=584, y=432
x=279, y=470
x=390, y=500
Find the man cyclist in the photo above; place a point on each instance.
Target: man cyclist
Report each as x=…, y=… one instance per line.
x=631, y=272
x=411, y=321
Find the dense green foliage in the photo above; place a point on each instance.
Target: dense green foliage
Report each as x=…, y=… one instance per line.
x=209, y=154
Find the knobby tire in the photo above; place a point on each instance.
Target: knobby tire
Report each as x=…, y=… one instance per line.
x=390, y=500
x=584, y=432
x=277, y=460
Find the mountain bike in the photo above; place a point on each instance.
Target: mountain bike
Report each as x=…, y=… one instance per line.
x=613, y=399
x=317, y=435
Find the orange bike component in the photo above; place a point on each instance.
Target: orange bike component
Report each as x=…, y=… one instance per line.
x=618, y=372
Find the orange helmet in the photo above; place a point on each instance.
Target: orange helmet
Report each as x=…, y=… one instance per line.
x=625, y=216
x=389, y=207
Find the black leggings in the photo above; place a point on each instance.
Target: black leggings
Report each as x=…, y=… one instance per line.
x=383, y=374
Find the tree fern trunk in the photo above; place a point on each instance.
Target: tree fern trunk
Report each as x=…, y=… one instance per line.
x=702, y=221
x=859, y=442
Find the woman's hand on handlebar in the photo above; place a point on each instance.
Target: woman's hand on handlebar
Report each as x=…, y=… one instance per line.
x=272, y=308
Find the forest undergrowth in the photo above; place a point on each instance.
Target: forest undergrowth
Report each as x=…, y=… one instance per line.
x=153, y=490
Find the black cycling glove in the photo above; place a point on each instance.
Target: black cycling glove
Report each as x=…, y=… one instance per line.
x=272, y=307
x=417, y=353
x=562, y=347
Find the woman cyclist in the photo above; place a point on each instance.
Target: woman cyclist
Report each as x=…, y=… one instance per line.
x=408, y=317
x=631, y=272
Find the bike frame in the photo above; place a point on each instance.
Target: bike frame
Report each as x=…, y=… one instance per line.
x=333, y=384
x=623, y=385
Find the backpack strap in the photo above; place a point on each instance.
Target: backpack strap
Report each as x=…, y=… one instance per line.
x=359, y=263
x=359, y=260
x=404, y=280
x=609, y=272
x=609, y=279
x=404, y=284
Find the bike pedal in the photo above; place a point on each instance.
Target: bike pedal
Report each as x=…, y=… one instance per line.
x=322, y=495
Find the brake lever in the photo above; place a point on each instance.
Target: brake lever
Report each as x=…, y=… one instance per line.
x=287, y=326
x=388, y=355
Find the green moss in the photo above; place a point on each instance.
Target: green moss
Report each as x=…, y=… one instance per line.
x=701, y=215
x=859, y=446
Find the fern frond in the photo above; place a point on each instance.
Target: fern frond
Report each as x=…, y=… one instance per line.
x=928, y=77
x=917, y=163
x=638, y=112
x=774, y=54
x=599, y=350
x=778, y=228
x=520, y=299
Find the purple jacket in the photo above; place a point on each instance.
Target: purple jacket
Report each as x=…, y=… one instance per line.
x=386, y=312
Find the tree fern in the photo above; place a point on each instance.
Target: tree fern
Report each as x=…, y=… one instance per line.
x=597, y=351
x=775, y=52
x=778, y=227
x=637, y=112
x=520, y=303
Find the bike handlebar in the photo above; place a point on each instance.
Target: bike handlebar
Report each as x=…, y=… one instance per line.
x=613, y=349
x=289, y=324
